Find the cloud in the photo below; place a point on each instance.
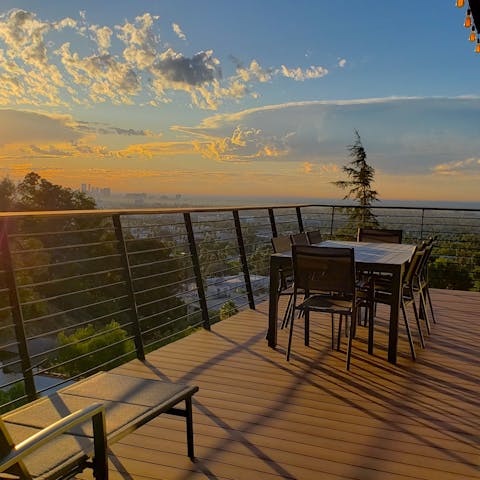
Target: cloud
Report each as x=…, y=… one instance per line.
x=178, y=32
x=308, y=167
x=37, y=136
x=342, y=62
x=155, y=149
x=254, y=72
x=22, y=126
x=406, y=136
x=241, y=146
x=467, y=166
x=102, y=76
x=124, y=63
x=103, y=37
x=300, y=75
x=199, y=69
x=104, y=129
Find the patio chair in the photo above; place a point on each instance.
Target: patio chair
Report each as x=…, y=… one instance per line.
x=330, y=274
x=374, y=235
x=379, y=235
x=422, y=285
x=315, y=236
x=282, y=244
x=299, y=239
x=383, y=295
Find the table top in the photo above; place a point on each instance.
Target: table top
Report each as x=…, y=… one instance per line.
x=371, y=253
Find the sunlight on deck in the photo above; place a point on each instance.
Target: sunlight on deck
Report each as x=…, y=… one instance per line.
x=258, y=417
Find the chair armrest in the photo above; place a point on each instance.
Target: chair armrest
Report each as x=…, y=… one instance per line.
x=96, y=412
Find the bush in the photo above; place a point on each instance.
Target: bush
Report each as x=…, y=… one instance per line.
x=86, y=349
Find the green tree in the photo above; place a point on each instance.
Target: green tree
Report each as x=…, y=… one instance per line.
x=37, y=193
x=228, y=309
x=358, y=186
x=7, y=195
x=86, y=349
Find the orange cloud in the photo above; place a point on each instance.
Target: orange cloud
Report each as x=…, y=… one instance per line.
x=308, y=167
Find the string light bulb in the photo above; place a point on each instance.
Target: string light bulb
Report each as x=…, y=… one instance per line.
x=473, y=35
x=468, y=20
x=477, y=47
x=460, y=3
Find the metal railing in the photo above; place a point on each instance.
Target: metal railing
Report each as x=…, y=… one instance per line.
x=82, y=291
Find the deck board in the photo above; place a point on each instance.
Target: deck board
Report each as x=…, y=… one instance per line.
x=256, y=416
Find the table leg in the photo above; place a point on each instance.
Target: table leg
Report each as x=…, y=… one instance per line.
x=394, y=314
x=273, y=304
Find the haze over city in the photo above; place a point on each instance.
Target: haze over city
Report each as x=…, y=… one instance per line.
x=249, y=99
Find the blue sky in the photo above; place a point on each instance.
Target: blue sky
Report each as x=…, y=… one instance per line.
x=249, y=98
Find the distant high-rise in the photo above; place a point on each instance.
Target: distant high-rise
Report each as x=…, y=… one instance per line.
x=84, y=188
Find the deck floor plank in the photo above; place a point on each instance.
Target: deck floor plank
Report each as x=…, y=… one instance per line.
x=257, y=416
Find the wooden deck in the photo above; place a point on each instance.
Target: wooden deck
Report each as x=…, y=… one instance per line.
x=258, y=417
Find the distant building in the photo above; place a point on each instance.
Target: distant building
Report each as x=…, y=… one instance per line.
x=95, y=191
x=138, y=198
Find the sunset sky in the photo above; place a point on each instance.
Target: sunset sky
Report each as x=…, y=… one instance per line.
x=252, y=98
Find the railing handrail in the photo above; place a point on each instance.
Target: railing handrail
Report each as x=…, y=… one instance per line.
x=164, y=211
x=163, y=281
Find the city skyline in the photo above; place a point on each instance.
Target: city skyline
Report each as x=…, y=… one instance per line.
x=261, y=100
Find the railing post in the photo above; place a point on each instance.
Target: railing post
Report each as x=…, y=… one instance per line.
x=117, y=223
x=196, y=270
x=421, y=226
x=300, y=220
x=271, y=215
x=17, y=314
x=243, y=259
x=331, y=222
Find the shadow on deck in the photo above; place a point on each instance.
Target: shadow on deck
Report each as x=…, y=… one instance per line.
x=258, y=417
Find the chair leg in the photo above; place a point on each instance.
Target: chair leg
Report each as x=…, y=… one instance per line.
x=423, y=306
x=333, y=330
x=189, y=420
x=417, y=319
x=427, y=291
x=339, y=336
x=290, y=335
x=409, y=333
x=286, y=316
x=307, y=328
x=353, y=321
x=371, y=325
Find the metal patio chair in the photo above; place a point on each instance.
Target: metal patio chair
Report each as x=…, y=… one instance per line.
x=379, y=235
x=383, y=295
x=422, y=285
x=299, y=239
x=326, y=277
x=315, y=236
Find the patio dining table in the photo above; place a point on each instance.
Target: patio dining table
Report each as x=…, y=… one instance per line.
x=389, y=258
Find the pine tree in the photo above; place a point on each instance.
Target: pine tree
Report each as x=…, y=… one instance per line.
x=359, y=185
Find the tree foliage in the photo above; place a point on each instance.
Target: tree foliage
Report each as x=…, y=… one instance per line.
x=359, y=184
x=88, y=348
x=228, y=309
x=37, y=193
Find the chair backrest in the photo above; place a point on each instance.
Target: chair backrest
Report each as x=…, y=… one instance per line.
x=299, y=239
x=379, y=235
x=324, y=268
x=281, y=244
x=422, y=268
x=315, y=236
x=414, y=266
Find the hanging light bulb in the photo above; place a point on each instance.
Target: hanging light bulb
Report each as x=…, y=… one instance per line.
x=468, y=20
x=460, y=3
x=477, y=48
x=473, y=35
